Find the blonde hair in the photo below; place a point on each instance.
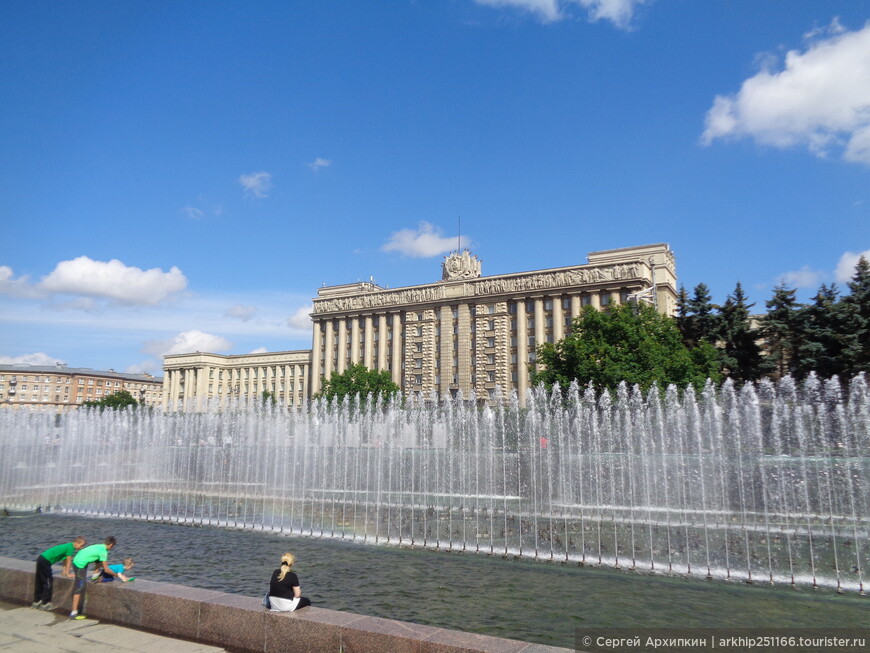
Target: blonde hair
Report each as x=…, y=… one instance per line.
x=127, y=562
x=287, y=562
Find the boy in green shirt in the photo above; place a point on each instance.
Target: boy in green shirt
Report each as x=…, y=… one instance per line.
x=44, y=585
x=96, y=553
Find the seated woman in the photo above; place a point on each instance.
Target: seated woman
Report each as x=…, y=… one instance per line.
x=284, y=592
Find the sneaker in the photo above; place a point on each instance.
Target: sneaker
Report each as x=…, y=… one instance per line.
x=96, y=576
x=73, y=615
x=48, y=607
x=79, y=617
x=36, y=604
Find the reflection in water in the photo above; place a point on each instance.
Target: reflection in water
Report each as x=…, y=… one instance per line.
x=507, y=598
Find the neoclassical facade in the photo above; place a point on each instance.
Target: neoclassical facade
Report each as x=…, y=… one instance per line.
x=463, y=333
x=469, y=332
x=189, y=380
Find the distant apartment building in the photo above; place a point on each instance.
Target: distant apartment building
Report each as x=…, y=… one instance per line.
x=465, y=333
x=65, y=388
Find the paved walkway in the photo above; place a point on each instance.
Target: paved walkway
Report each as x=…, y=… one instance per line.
x=27, y=630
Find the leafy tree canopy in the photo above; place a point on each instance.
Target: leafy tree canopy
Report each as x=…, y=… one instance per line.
x=632, y=343
x=114, y=401
x=358, y=380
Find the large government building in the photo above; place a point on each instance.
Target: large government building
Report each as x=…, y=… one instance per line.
x=466, y=332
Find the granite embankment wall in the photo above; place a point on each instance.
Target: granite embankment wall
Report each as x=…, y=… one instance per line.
x=241, y=623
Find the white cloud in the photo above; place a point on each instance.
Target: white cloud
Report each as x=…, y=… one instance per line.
x=803, y=278
x=545, y=10
x=149, y=366
x=319, y=163
x=820, y=99
x=846, y=266
x=20, y=287
x=301, y=319
x=38, y=358
x=424, y=242
x=187, y=342
x=113, y=280
x=619, y=12
x=257, y=184
x=239, y=312
x=259, y=350
x=192, y=212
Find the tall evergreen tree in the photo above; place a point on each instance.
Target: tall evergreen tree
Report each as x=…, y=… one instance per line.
x=821, y=328
x=702, y=321
x=779, y=330
x=857, y=321
x=742, y=359
x=682, y=318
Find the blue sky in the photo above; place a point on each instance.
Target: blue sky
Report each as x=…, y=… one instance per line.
x=180, y=176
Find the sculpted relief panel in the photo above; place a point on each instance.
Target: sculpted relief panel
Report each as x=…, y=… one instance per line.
x=482, y=287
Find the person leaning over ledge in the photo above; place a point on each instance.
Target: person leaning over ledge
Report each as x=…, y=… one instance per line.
x=285, y=595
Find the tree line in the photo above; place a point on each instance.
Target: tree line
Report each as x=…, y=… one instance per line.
x=830, y=336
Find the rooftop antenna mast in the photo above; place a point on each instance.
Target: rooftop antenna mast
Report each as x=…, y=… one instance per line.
x=458, y=234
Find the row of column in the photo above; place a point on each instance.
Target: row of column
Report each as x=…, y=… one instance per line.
x=326, y=358
x=196, y=382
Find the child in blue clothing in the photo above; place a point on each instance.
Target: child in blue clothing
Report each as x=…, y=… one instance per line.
x=102, y=577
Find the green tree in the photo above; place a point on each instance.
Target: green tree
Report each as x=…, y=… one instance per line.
x=780, y=330
x=114, y=401
x=628, y=342
x=822, y=329
x=268, y=397
x=700, y=323
x=742, y=359
x=856, y=305
x=358, y=380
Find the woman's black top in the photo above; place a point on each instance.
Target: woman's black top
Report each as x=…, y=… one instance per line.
x=283, y=589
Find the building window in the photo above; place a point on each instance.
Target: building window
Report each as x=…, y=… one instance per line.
x=490, y=342
x=605, y=299
x=586, y=300
x=490, y=376
x=418, y=379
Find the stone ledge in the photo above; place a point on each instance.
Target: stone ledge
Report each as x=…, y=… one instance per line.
x=240, y=623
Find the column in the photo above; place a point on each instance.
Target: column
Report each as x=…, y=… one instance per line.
x=540, y=326
x=463, y=336
x=522, y=351
x=369, y=344
x=558, y=319
x=575, y=306
x=316, y=358
x=595, y=300
x=382, y=341
x=342, y=346
x=329, y=355
x=306, y=374
x=202, y=387
x=354, y=340
x=445, y=369
x=398, y=354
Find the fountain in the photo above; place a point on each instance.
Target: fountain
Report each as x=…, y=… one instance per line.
x=766, y=483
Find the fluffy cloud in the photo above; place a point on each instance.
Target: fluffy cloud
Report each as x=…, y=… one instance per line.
x=846, y=266
x=301, y=319
x=187, y=342
x=619, y=12
x=19, y=287
x=239, y=312
x=258, y=350
x=803, y=278
x=424, y=242
x=38, y=358
x=256, y=184
x=820, y=99
x=113, y=280
x=319, y=163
